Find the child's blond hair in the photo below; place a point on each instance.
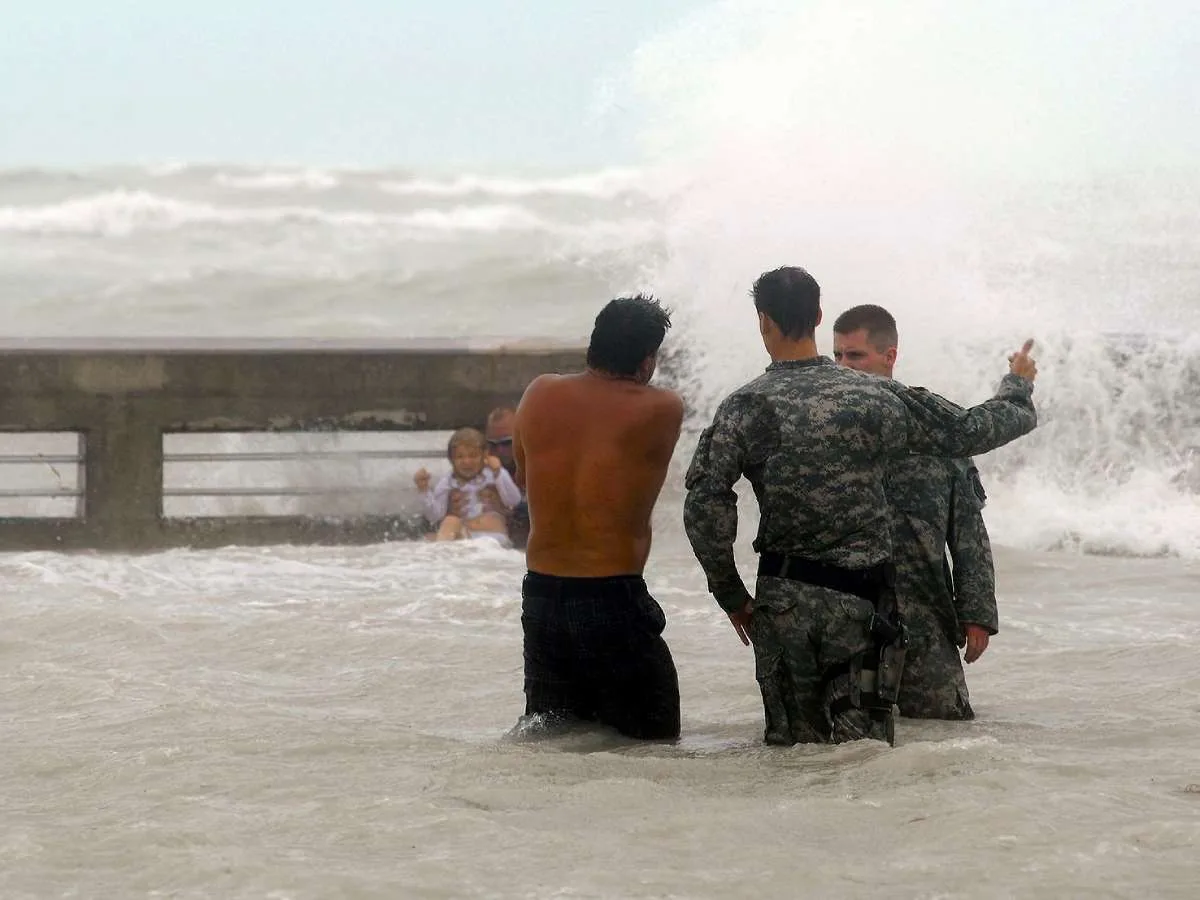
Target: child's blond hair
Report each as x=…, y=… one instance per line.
x=470, y=436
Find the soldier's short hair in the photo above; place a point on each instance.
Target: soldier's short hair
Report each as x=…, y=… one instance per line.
x=791, y=298
x=878, y=323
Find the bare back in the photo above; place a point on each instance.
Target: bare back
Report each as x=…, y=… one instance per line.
x=593, y=453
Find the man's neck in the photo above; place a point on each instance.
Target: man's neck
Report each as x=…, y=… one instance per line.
x=795, y=351
x=610, y=376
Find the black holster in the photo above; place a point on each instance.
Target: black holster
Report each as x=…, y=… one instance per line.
x=891, y=642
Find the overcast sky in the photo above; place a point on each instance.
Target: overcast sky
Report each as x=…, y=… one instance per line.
x=455, y=83
x=506, y=84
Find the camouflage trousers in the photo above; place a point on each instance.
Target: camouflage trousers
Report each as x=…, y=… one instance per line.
x=934, y=685
x=803, y=634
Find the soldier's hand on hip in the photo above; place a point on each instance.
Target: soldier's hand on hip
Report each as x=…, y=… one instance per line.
x=977, y=642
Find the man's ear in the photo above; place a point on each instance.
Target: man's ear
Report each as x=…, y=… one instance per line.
x=647, y=367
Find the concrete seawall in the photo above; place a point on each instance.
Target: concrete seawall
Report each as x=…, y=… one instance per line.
x=123, y=396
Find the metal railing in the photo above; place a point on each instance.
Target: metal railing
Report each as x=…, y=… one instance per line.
x=292, y=456
x=49, y=460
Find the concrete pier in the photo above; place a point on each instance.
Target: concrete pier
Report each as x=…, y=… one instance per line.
x=123, y=396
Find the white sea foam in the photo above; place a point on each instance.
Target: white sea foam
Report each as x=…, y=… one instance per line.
x=980, y=209
x=278, y=180
x=122, y=212
x=604, y=185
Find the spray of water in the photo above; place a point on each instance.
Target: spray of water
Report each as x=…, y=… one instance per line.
x=987, y=171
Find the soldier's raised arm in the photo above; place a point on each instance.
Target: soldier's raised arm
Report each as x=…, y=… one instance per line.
x=939, y=428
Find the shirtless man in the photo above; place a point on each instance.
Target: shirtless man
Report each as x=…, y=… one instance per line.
x=592, y=452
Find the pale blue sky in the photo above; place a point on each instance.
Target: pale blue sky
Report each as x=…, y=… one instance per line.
x=454, y=83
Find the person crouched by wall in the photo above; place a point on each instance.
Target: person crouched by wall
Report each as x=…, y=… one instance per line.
x=473, y=499
x=500, y=444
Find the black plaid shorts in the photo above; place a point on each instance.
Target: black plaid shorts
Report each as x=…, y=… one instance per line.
x=594, y=652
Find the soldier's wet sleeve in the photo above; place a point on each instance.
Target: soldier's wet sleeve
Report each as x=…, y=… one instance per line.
x=940, y=428
x=971, y=551
x=710, y=507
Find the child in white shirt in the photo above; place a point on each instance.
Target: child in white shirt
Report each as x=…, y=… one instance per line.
x=458, y=505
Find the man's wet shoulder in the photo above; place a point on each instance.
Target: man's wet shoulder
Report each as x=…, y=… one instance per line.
x=554, y=389
x=543, y=387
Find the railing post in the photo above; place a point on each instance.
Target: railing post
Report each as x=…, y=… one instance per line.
x=123, y=470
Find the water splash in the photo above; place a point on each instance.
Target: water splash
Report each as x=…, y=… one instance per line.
x=987, y=172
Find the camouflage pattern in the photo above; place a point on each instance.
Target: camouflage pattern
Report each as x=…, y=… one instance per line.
x=938, y=504
x=814, y=440
x=799, y=633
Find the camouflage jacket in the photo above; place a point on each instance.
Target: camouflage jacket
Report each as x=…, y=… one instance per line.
x=938, y=504
x=814, y=440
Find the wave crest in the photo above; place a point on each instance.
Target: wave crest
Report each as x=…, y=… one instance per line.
x=121, y=213
x=607, y=184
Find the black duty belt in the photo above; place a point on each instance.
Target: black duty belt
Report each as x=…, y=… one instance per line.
x=866, y=583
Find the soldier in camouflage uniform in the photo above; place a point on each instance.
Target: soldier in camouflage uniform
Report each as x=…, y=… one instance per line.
x=936, y=503
x=814, y=439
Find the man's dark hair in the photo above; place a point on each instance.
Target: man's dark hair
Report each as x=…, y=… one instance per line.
x=791, y=298
x=878, y=323
x=627, y=330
